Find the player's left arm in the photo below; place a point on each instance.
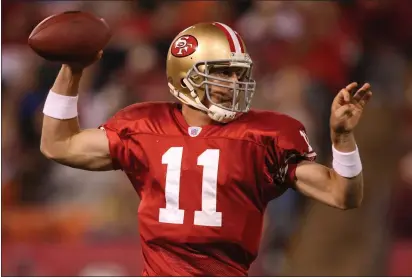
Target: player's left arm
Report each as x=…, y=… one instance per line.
x=342, y=185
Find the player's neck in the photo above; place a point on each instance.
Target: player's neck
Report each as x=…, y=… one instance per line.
x=194, y=117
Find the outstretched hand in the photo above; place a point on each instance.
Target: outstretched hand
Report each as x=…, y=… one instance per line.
x=347, y=108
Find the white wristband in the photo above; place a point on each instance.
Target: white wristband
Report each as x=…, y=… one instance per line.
x=60, y=107
x=347, y=165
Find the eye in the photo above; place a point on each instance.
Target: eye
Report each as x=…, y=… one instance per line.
x=226, y=73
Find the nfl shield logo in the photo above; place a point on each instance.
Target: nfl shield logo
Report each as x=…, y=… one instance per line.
x=194, y=131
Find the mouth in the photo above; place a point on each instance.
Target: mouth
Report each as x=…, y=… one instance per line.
x=221, y=97
x=222, y=100
x=226, y=104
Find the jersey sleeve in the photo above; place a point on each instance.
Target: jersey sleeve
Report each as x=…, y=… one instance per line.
x=116, y=129
x=285, y=151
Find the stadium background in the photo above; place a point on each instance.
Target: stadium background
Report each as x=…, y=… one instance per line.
x=61, y=221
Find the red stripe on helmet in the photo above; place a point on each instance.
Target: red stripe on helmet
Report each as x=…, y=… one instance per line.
x=240, y=42
x=229, y=38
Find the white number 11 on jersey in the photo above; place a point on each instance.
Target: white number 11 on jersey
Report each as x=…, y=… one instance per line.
x=208, y=216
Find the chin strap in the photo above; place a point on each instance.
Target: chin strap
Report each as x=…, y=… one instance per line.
x=221, y=115
x=214, y=112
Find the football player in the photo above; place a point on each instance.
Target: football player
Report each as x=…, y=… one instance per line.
x=205, y=168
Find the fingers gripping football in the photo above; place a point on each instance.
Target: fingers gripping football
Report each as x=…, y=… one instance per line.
x=347, y=108
x=80, y=65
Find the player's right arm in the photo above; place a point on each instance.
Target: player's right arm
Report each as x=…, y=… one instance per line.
x=64, y=142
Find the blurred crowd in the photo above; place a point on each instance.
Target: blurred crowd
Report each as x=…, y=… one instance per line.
x=304, y=52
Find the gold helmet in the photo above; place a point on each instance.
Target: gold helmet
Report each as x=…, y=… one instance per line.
x=191, y=57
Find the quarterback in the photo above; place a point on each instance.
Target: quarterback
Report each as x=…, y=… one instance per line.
x=206, y=167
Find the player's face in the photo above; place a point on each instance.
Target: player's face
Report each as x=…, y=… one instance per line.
x=224, y=95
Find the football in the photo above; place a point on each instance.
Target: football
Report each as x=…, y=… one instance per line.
x=72, y=36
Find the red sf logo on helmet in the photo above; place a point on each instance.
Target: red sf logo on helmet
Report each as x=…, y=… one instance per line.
x=184, y=46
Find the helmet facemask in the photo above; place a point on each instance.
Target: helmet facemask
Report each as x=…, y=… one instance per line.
x=238, y=94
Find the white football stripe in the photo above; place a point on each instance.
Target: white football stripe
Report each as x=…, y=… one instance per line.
x=234, y=38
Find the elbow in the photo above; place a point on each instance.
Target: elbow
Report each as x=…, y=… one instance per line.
x=348, y=200
x=49, y=151
x=349, y=204
x=46, y=151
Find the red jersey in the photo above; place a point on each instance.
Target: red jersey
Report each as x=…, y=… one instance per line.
x=203, y=190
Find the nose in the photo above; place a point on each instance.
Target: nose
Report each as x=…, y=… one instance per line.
x=233, y=77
